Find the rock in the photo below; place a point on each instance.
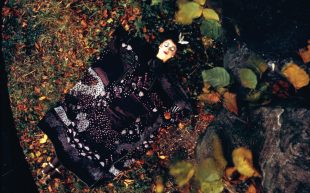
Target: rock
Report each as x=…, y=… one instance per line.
x=285, y=156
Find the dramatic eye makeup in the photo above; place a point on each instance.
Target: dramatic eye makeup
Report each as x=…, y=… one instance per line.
x=171, y=48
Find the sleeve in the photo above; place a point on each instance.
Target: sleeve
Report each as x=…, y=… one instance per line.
x=176, y=94
x=109, y=62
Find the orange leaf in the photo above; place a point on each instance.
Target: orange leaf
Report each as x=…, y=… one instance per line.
x=42, y=98
x=305, y=53
x=251, y=189
x=84, y=24
x=181, y=125
x=105, y=13
x=297, y=76
x=213, y=97
x=229, y=171
x=167, y=115
x=36, y=90
x=230, y=102
x=149, y=153
x=5, y=11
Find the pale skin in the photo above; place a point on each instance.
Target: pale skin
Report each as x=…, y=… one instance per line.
x=167, y=50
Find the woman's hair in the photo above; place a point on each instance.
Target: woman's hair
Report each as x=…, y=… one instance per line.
x=172, y=34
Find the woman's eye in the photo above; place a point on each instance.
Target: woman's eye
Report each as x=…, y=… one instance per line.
x=166, y=44
x=172, y=49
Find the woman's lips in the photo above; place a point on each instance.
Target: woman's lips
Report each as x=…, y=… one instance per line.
x=165, y=52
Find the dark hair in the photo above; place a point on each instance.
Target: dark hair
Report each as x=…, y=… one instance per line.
x=172, y=34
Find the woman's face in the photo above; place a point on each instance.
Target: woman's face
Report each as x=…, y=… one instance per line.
x=167, y=50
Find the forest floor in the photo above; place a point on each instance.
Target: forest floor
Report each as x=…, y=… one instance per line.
x=48, y=44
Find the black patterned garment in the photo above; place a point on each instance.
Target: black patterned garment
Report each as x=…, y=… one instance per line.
x=111, y=116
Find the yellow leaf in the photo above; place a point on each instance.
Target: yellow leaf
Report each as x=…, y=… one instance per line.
x=43, y=139
x=182, y=171
x=162, y=157
x=110, y=20
x=210, y=14
x=159, y=186
x=128, y=182
x=200, y=2
x=230, y=102
x=38, y=154
x=42, y=98
x=187, y=12
x=44, y=165
x=296, y=75
x=243, y=160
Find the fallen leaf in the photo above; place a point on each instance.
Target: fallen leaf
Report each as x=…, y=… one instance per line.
x=211, y=28
x=230, y=171
x=182, y=171
x=36, y=90
x=181, y=125
x=243, y=160
x=187, y=12
x=156, y=2
x=210, y=14
x=211, y=98
x=159, y=186
x=216, y=77
x=167, y=115
x=230, y=102
x=150, y=153
x=208, y=170
x=42, y=98
x=200, y=2
x=43, y=139
x=38, y=154
x=305, y=53
x=297, y=76
x=84, y=24
x=110, y=20
x=162, y=157
x=212, y=187
x=251, y=189
x=248, y=78
x=128, y=182
x=44, y=165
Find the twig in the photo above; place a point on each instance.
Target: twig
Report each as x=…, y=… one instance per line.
x=29, y=73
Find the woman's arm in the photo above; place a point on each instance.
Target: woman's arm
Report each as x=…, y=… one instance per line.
x=108, y=65
x=175, y=92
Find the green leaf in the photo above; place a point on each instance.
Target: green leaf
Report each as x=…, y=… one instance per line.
x=187, y=12
x=208, y=170
x=211, y=28
x=216, y=77
x=212, y=187
x=209, y=174
x=182, y=171
x=257, y=63
x=156, y=2
x=253, y=96
x=210, y=14
x=248, y=78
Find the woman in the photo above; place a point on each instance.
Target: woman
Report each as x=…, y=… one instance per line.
x=110, y=117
